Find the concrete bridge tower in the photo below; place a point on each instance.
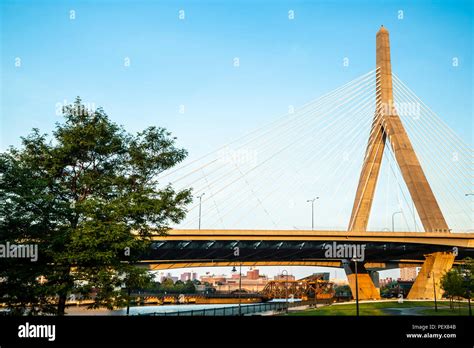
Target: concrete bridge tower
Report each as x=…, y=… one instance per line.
x=387, y=127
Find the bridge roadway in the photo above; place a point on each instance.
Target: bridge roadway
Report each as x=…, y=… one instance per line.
x=384, y=250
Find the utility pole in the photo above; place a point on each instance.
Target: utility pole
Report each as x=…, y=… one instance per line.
x=240, y=289
x=357, y=288
x=434, y=291
x=200, y=201
x=286, y=289
x=393, y=221
x=312, y=211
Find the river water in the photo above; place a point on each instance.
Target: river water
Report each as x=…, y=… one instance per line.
x=137, y=310
x=144, y=309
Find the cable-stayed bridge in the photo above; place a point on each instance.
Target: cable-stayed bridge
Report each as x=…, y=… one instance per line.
x=370, y=163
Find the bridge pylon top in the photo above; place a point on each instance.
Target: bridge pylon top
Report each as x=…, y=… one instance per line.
x=388, y=127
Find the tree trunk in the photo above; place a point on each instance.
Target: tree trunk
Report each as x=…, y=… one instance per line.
x=62, y=304
x=63, y=294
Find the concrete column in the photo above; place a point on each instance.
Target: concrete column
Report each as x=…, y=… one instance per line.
x=374, y=275
x=429, y=278
x=367, y=289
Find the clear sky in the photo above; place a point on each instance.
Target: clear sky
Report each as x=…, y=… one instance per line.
x=142, y=62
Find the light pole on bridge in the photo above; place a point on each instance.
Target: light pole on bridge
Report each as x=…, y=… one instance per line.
x=200, y=201
x=312, y=211
x=393, y=221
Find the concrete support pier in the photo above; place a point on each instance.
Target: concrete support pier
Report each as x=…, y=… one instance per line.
x=367, y=289
x=428, y=280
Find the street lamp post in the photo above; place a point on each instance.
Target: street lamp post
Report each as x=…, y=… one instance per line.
x=357, y=287
x=286, y=289
x=200, y=201
x=240, y=285
x=434, y=290
x=240, y=288
x=393, y=221
x=312, y=211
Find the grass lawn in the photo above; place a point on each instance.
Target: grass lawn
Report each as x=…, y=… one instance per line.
x=443, y=310
x=384, y=308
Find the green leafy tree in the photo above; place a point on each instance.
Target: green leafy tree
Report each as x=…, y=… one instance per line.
x=189, y=287
x=178, y=287
x=452, y=284
x=389, y=289
x=459, y=281
x=154, y=286
x=90, y=199
x=342, y=290
x=467, y=272
x=167, y=285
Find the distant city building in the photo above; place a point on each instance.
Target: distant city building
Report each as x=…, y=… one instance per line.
x=339, y=281
x=188, y=276
x=288, y=277
x=213, y=279
x=167, y=276
x=323, y=275
x=252, y=281
x=253, y=274
x=385, y=281
x=408, y=273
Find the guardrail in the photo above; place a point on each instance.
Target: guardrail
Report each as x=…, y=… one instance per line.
x=235, y=310
x=206, y=295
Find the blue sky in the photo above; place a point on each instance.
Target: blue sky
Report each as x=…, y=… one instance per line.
x=189, y=62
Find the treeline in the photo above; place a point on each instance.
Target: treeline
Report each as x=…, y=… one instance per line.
x=167, y=286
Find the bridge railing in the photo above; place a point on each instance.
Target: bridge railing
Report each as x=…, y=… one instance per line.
x=235, y=310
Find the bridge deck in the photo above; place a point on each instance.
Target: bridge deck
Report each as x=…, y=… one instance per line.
x=204, y=248
x=465, y=240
